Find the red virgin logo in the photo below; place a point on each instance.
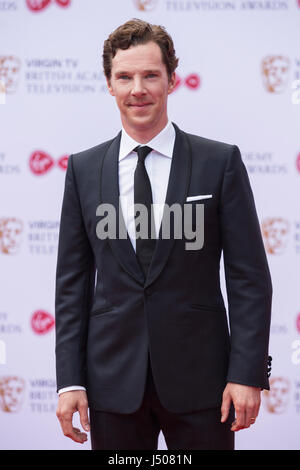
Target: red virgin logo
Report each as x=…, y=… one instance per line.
x=192, y=81
x=39, y=5
x=298, y=317
x=42, y=322
x=298, y=157
x=41, y=162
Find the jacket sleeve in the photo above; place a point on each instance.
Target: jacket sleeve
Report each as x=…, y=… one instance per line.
x=75, y=279
x=248, y=281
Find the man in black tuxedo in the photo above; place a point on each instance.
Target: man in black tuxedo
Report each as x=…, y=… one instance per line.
x=142, y=337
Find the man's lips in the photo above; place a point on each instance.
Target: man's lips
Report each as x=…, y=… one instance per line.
x=138, y=105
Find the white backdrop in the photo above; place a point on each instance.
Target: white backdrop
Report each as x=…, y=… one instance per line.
x=237, y=82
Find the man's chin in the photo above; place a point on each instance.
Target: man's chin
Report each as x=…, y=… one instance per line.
x=141, y=122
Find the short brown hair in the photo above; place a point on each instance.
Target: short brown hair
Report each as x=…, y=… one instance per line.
x=133, y=33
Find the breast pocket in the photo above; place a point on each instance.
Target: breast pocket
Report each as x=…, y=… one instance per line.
x=199, y=197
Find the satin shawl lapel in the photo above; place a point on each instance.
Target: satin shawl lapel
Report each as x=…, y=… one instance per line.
x=121, y=247
x=176, y=194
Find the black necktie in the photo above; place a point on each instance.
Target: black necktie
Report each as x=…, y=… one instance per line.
x=143, y=195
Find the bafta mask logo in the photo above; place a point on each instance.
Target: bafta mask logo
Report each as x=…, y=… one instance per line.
x=145, y=5
x=275, y=73
x=41, y=162
x=42, y=322
x=9, y=73
x=2, y=92
x=10, y=235
x=275, y=233
x=11, y=393
x=276, y=399
x=39, y=5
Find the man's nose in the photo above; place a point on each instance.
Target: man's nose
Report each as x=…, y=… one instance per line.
x=138, y=88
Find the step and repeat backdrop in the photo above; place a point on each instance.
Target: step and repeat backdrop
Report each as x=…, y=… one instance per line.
x=238, y=81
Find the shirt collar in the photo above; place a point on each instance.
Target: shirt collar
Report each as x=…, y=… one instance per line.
x=162, y=143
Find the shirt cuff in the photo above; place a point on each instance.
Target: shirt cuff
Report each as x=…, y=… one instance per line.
x=71, y=389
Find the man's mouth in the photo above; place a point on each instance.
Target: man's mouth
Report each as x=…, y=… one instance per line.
x=138, y=105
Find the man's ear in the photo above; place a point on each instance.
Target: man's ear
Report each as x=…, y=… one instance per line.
x=172, y=82
x=109, y=86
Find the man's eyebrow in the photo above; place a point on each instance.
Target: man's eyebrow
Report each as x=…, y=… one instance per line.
x=121, y=72
x=152, y=71
x=127, y=72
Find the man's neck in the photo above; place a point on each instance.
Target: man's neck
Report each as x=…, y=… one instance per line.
x=145, y=135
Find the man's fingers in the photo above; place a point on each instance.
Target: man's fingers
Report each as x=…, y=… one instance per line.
x=70, y=402
x=250, y=415
x=226, y=402
x=245, y=416
x=246, y=400
x=79, y=436
x=240, y=417
x=84, y=419
x=235, y=426
x=76, y=435
x=65, y=420
x=69, y=431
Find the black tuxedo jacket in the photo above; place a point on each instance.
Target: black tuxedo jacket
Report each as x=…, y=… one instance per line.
x=108, y=317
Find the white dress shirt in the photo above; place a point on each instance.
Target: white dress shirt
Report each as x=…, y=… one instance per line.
x=158, y=164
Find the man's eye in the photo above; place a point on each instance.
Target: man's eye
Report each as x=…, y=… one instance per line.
x=124, y=77
x=151, y=75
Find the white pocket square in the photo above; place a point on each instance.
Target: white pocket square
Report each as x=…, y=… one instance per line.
x=197, y=198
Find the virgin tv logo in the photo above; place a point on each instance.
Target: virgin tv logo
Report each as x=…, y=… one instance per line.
x=39, y=5
x=41, y=162
x=42, y=322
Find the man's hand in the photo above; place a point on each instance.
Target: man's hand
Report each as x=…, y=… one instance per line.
x=246, y=401
x=68, y=404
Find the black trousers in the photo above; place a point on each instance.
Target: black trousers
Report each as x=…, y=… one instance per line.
x=201, y=430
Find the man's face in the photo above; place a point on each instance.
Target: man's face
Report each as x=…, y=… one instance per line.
x=140, y=84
